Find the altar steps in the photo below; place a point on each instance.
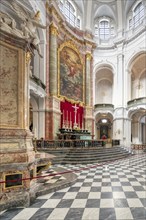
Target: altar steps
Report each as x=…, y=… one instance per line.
x=85, y=156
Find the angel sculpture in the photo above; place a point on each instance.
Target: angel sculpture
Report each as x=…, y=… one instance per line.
x=29, y=25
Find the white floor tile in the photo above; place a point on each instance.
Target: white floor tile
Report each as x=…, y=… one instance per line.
x=106, y=189
x=119, y=195
x=25, y=214
x=141, y=194
x=85, y=189
x=79, y=203
x=47, y=196
x=51, y=203
x=91, y=214
x=94, y=195
x=70, y=195
x=135, y=183
x=134, y=203
x=106, y=203
x=128, y=188
x=58, y=214
x=96, y=184
x=123, y=214
x=116, y=184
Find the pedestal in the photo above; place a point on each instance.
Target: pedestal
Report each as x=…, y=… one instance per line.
x=17, y=158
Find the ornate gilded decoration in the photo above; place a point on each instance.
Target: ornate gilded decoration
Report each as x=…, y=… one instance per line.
x=53, y=29
x=88, y=56
x=70, y=73
x=63, y=98
x=37, y=15
x=28, y=57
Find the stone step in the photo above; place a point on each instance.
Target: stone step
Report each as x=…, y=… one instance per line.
x=89, y=161
x=89, y=155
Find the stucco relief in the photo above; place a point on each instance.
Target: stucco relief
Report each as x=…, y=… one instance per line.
x=9, y=86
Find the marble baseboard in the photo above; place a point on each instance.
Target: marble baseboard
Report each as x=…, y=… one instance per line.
x=14, y=199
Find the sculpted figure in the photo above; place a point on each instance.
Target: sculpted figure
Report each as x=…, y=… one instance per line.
x=29, y=25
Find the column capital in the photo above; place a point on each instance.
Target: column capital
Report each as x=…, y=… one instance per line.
x=88, y=56
x=53, y=30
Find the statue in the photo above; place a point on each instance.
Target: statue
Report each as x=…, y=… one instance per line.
x=29, y=25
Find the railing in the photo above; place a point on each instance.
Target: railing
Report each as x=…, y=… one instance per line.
x=67, y=143
x=138, y=146
x=135, y=102
x=103, y=106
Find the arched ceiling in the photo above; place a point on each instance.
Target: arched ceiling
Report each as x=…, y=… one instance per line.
x=104, y=72
x=115, y=9
x=139, y=65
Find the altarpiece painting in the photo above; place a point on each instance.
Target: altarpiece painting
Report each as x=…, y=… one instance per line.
x=70, y=74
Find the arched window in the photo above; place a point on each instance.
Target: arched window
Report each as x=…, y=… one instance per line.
x=70, y=13
x=137, y=16
x=104, y=29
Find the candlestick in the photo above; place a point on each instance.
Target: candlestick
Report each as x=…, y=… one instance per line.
x=70, y=122
x=75, y=121
x=79, y=120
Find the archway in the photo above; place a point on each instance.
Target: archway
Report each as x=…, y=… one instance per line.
x=138, y=126
x=104, y=85
x=104, y=126
x=138, y=76
x=143, y=129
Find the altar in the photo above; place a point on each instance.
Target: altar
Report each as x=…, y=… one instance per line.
x=74, y=134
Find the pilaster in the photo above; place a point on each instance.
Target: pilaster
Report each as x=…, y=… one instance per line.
x=53, y=60
x=88, y=97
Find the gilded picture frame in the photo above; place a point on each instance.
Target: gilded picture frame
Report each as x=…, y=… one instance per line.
x=70, y=73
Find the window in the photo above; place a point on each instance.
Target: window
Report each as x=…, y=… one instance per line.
x=137, y=16
x=69, y=11
x=104, y=30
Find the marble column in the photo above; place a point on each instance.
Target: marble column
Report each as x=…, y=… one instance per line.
x=88, y=80
x=53, y=60
x=53, y=114
x=89, y=125
x=120, y=80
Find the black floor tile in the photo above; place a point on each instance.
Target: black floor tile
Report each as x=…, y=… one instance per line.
x=65, y=203
x=121, y=203
x=42, y=213
x=138, y=213
x=107, y=213
x=74, y=214
x=93, y=203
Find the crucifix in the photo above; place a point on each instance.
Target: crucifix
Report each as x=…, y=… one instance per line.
x=75, y=122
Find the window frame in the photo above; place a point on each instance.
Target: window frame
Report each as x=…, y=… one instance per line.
x=72, y=16
x=110, y=29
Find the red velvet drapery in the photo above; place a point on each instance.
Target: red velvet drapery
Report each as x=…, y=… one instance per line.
x=68, y=114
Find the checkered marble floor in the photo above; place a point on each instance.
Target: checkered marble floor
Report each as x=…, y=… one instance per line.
x=51, y=179
x=114, y=191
